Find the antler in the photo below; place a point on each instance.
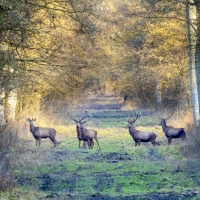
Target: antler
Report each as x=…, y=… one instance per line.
x=80, y=120
x=134, y=117
x=87, y=119
x=137, y=115
x=170, y=115
x=167, y=117
x=159, y=117
x=73, y=118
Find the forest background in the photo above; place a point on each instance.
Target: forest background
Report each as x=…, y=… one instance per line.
x=55, y=55
x=52, y=53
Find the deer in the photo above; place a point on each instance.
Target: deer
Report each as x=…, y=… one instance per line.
x=140, y=136
x=79, y=134
x=171, y=132
x=39, y=132
x=84, y=134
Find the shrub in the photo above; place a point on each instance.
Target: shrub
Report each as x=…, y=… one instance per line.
x=8, y=140
x=192, y=149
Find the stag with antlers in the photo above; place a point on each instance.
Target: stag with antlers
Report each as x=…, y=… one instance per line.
x=171, y=132
x=83, y=134
x=140, y=136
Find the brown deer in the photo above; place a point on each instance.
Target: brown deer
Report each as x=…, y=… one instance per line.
x=39, y=132
x=171, y=132
x=83, y=134
x=140, y=136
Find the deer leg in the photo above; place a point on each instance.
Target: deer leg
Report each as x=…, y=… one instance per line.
x=135, y=144
x=84, y=144
x=157, y=143
x=169, y=141
x=36, y=142
x=91, y=143
x=53, y=140
x=154, y=142
x=183, y=136
x=39, y=139
x=97, y=143
x=79, y=144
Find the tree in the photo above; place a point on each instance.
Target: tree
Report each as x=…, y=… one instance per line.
x=154, y=53
x=191, y=17
x=59, y=50
x=51, y=48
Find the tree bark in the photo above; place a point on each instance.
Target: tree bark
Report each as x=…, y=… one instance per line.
x=158, y=94
x=2, y=96
x=197, y=53
x=191, y=16
x=10, y=106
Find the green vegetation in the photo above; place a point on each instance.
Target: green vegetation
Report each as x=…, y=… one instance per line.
x=114, y=119
x=118, y=171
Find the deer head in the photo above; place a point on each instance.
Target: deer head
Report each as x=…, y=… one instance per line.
x=163, y=120
x=133, y=119
x=80, y=120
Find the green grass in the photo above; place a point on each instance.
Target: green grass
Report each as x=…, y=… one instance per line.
x=119, y=170
x=113, y=119
x=112, y=171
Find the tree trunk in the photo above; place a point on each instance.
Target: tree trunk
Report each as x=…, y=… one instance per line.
x=2, y=96
x=158, y=94
x=10, y=105
x=191, y=16
x=197, y=53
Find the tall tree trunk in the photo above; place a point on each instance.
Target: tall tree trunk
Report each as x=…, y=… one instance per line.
x=10, y=105
x=158, y=94
x=197, y=53
x=191, y=16
x=2, y=96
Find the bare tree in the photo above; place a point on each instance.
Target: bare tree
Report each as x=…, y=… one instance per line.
x=191, y=16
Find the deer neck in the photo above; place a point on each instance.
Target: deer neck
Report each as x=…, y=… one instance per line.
x=132, y=129
x=32, y=128
x=79, y=134
x=164, y=126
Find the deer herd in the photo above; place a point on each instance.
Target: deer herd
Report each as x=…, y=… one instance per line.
x=88, y=135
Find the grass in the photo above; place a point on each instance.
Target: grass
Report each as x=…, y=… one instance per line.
x=120, y=170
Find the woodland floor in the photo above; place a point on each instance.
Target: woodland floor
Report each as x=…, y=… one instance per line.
x=118, y=171
x=145, y=172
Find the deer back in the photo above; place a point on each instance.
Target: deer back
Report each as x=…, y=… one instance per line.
x=45, y=132
x=39, y=131
x=88, y=133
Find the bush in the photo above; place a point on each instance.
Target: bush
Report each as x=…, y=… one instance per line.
x=8, y=140
x=6, y=181
x=192, y=149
